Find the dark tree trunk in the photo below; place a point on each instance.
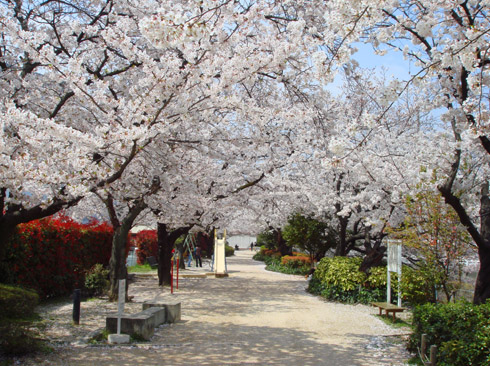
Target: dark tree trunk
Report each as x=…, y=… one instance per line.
x=341, y=249
x=166, y=241
x=373, y=258
x=374, y=252
x=482, y=286
x=284, y=249
x=117, y=263
x=180, y=248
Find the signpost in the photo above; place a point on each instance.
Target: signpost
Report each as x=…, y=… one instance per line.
x=394, y=265
x=121, y=299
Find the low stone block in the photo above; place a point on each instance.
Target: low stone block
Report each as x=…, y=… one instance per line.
x=118, y=338
x=141, y=324
x=172, y=308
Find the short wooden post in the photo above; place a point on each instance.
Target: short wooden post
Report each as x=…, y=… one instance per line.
x=433, y=351
x=423, y=345
x=76, y=307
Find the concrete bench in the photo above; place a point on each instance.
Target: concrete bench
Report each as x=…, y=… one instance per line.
x=387, y=307
x=141, y=324
x=172, y=308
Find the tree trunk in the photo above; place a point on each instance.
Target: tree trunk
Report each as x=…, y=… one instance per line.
x=117, y=263
x=6, y=233
x=482, y=286
x=374, y=252
x=373, y=258
x=340, y=250
x=281, y=244
x=166, y=241
x=180, y=248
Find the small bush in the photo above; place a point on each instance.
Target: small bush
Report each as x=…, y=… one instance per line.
x=16, y=308
x=295, y=261
x=341, y=272
x=259, y=256
x=147, y=243
x=18, y=339
x=96, y=280
x=229, y=251
x=460, y=331
x=339, y=279
x=16, y=302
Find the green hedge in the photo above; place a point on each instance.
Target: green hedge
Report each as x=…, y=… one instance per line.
x=339, y=279
x=16, y=302
x=274, y=263
x=17, y=333
x=460, y=331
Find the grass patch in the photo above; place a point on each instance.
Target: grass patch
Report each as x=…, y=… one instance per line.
x=100, y=337
x=398, y=323
x=141, y=268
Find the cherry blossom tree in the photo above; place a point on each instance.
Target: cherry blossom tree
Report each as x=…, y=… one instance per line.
x=447, y=43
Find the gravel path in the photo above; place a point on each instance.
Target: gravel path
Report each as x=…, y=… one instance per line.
x=253, y=317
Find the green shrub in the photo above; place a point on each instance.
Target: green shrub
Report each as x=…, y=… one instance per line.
x=415, y=287
x=18, y=339
x=259, y=256
x=341, y=272
x=339, y=279
x=460, y=331
x=287, y=264
x=16, y=302
x=229, y=251
x=96, y=280
x=17, y=336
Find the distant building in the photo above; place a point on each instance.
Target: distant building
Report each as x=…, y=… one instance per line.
x=243, y=241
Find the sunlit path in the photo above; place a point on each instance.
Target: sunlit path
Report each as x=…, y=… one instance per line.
x=253, y=317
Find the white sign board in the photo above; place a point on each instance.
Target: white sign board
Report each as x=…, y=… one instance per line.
x=394, y=265
x=394, y=256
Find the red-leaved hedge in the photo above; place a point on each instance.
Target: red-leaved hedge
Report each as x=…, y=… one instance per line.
x=295, y=260
x=51, y=255
x=147, y=243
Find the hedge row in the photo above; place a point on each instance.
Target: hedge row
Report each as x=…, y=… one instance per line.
x=339, y=279
x=147, y=243
x=297, y=264
x=460, y=331
x=52, y=255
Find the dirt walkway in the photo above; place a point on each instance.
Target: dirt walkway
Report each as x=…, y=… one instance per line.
x=253, y=317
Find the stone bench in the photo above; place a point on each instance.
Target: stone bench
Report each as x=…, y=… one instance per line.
x=387, y=307
x=172, y=308
x=141, y=324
